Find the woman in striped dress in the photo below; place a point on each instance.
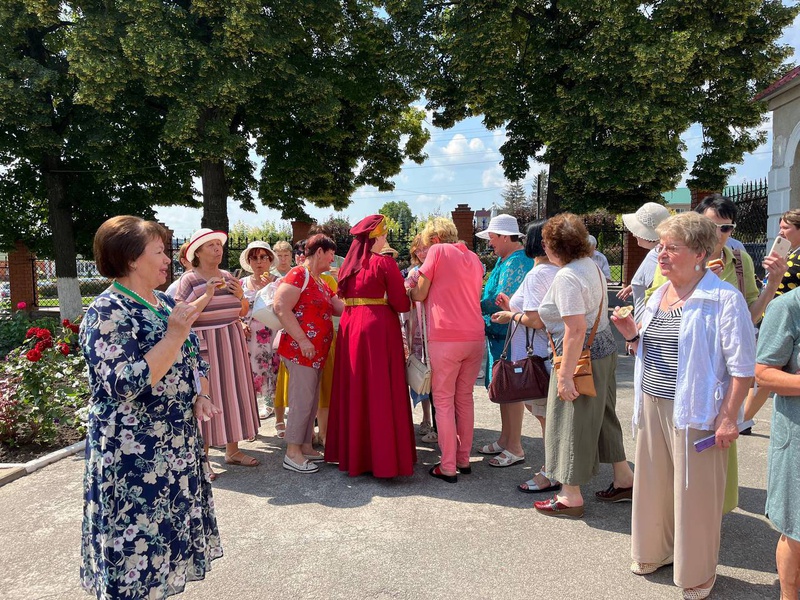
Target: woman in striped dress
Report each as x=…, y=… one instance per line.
x=221, y=299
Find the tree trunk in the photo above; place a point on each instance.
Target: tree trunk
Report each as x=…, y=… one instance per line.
x=215, y=199
x=60, y=220
x=553, y=203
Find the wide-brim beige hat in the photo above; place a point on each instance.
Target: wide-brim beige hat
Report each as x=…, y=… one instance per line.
x=644, y=221
x=257, y=244
x=200, y=237
x=501, y=225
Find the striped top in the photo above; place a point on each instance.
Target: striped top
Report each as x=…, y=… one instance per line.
x=660, y=345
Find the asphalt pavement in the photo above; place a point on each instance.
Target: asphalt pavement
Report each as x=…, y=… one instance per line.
x=329, y=536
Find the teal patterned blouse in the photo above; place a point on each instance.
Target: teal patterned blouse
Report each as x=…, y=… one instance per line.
x=506, y=277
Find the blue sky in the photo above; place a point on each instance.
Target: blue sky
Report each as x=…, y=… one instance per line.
x=463, y=167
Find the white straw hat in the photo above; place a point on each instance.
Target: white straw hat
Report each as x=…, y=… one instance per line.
x=500, y=225
x=200, y=237
x=257, y=244
x=644, y=221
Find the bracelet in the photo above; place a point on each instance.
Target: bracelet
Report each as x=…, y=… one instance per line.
x=633, y=339
x=206, y=396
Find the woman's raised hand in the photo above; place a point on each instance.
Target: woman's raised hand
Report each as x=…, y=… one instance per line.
x=625, y=292
x=503, y=301
x=213, y=284
x=624, y=322
x=502, y=317
x=235, y=288
x=181, y=319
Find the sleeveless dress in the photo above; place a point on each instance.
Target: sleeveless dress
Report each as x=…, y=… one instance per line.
x=223, y=346
x=263, y=360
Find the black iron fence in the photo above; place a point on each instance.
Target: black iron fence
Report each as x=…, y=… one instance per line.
x=751, y=218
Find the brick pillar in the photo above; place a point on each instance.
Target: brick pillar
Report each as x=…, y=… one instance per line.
x=633, y=255
x=22, y=277
x=464, y=219
x=698, y=195
x=299, y=231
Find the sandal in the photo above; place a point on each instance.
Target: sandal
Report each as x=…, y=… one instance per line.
x=240, y=458
x=699, y=593
x=491, y=449
x=280, y=430
x=505, y=459
x=638, y=568
x=266, y=413
x=531, y=487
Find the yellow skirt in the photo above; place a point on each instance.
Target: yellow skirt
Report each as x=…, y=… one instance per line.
x=282, y=385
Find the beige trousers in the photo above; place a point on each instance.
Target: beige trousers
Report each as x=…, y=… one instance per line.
x=668, y=518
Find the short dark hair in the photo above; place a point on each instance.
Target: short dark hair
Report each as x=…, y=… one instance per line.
x=724, y=207
x=566, y=237
x=121, y=240
x=317, y=241
x=533, y=239
x=300, y=247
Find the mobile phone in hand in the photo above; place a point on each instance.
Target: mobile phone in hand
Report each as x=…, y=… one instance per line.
x=781, y=246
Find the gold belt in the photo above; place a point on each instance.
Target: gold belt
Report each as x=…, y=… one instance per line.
x=364, y=301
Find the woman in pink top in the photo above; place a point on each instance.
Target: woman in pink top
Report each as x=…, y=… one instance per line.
x=450, y=284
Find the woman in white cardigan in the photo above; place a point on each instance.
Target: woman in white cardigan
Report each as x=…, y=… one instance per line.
x=695, y=357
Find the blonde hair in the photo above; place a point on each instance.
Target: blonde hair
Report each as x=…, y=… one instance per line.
x=442, y=228
x=416, y=244
x=282, y=246
x=697, y=231
x=792, y=217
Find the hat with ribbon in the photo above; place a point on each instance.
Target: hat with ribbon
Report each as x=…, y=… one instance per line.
x=251, y=246
x=200, y=237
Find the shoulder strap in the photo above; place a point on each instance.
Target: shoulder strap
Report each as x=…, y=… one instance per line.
x=737, y=254
x=599, y=312
x=424, y=334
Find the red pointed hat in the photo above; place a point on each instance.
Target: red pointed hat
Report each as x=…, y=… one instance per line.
x=365, y=232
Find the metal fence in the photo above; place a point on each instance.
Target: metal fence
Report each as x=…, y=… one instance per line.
x=751, y=218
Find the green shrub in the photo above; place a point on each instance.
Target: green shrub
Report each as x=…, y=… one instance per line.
x=14, y=328
x=41, y=381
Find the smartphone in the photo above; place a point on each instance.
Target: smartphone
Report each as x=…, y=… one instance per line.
x=781, y=246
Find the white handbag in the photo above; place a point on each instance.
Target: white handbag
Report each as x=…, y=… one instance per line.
x=418, y=372
x=264, y=305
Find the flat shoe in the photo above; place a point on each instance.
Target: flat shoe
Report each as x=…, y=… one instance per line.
x=435, y=471
x=698, y=593
x=304, y=467
x=554, y=508
x=505, y=459
x=613, y=494
x=314, y=458
x=638, y=568
x=240, y=458
x=430, y=437
x=464, y=470
x=533, y=487
x=491, y=449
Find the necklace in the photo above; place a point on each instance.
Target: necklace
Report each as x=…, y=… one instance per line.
x=671, y=304
x=159, y=312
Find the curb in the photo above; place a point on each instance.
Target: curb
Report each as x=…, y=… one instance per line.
x=13, y=471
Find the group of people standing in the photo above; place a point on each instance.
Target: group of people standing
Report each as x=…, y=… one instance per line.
x=170, y=377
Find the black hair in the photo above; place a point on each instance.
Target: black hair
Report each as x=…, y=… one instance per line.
x=724, y=207
x=533, y=239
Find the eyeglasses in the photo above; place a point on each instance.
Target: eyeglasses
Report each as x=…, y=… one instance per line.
x=727, y=228
x=671, y=249
x=261, y=257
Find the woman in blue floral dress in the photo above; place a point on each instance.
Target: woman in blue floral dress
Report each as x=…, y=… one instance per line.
x=148, y=521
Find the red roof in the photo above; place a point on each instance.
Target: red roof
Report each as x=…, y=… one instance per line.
x=774, y=87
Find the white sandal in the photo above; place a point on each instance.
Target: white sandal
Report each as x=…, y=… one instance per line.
x=505, y=459
x=491, y=449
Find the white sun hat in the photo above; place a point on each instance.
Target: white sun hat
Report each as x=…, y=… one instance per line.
x=500, y=225
x=200, y=237
x=644, y=221
x=252, y=245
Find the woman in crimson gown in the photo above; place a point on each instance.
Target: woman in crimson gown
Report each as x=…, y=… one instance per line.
x=370, y=428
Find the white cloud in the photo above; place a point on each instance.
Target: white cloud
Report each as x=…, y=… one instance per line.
x=493, y=177
x=443, y=174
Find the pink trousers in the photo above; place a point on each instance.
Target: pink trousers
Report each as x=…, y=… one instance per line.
x=454, y=367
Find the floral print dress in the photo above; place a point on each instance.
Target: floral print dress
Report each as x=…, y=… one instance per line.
x=148, y=521
x=264, y=362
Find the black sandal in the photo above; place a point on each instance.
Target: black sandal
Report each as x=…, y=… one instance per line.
x=437, y=472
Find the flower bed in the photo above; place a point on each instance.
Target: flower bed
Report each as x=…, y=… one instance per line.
x=43, y=390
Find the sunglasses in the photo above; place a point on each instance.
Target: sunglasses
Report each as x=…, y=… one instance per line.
x=727, y=228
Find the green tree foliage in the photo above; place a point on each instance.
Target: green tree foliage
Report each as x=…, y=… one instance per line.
x=65, y=167
x=399, y=212
x=605, y=88
x=241, y=233
x=320, y=90
x=517, y=204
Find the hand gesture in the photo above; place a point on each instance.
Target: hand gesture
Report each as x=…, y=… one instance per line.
x=626, y=325
x=502, y=301
x=775, y=267
x=213, y=284
x=204, y=409
x=725, y=431
x=501, y=317
x=625, y=292
x=181, y=319
x=234, y=287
